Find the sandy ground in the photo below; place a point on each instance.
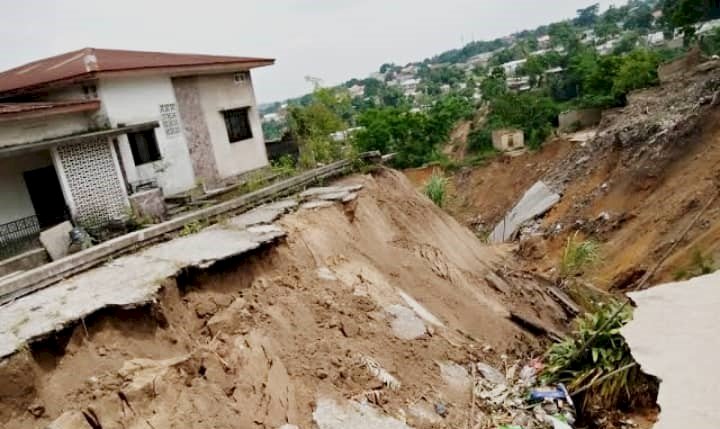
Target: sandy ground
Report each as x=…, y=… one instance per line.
x=388, y=284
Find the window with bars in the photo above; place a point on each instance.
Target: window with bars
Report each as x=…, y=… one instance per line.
x=144, y=147
x=237, y=122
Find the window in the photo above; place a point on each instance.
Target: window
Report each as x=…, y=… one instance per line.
x=144, y=147
x=237, y=123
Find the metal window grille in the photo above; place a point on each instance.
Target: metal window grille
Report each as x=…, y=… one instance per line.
x=19, y=236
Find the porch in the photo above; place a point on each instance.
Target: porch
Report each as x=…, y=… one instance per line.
x=75, y=178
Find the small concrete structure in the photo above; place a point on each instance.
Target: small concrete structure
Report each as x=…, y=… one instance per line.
x=507, y=140
x=673, y=336
x=149, y=204
x=574, y=120
x=56, y=240
x=536, y=201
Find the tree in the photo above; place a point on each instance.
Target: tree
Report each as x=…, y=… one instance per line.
x=588, y=16
x=494, y=85
x=638, y=70
x=640, y=18
x=312, y=125
x=683, y=14
x=562, y=34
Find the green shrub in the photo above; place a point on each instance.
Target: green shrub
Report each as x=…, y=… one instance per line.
x=578, y=255
x=435, y=188
x=284, y=166
x=597, y=360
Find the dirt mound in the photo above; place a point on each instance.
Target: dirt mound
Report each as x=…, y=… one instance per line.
x=377, y=301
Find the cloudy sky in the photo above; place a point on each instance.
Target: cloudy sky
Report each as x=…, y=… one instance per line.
x=331, y=39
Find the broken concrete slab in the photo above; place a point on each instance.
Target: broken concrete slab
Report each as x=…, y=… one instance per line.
x=207, y=246
x=127, y=281
x=419, y=309
x=264, y=214
x=673, y=336
x=535, y=202
x=329, y=414
x=329, y=192
x=317, y=204
x=56, y=240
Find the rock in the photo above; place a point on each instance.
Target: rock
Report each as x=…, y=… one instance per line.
x=37, y=409
x=329, y=414
x=406, y=325
x=56, y=240
x=349, y=328
x=205, y=308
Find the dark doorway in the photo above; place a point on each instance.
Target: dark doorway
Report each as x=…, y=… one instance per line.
x=46, y=196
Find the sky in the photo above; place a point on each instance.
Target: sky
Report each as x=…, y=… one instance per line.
x=334, y=40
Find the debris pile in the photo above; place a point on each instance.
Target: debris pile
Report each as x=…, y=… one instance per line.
x=514, y=400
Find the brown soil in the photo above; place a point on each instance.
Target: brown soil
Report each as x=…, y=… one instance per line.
x=255, y=342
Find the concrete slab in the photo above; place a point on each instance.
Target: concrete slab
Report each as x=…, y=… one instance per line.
x=317, y=204
x=673, y=336
x=125, y=282
x=536, y=201
x=264, y=214
x=208, y=246
x=329, y=414
x=329, y=192
x=56, y=240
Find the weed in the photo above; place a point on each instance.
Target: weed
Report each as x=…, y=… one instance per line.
x=435, y=188
x=700, y=264
x=578, y=255
x=285, y=166
x=596, y=359
x=193, y=228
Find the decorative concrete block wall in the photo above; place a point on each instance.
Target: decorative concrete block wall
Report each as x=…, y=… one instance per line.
x=89, y=173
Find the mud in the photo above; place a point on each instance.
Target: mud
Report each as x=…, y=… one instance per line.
x=263, y=341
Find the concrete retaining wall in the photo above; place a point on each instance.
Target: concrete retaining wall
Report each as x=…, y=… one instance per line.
x=23, y=262
x=582, y=118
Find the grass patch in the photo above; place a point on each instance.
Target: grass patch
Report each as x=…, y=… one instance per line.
x=435, y=188
x=578, y=255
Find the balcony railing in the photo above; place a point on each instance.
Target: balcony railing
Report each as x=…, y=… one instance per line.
x=19, y=236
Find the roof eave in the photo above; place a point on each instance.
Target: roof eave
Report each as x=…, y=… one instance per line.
x=187, y=70
x=90, y=105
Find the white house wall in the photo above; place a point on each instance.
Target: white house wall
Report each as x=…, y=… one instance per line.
x=136, y=100
x=16, y=202
x=221, y=92
x=33, y=130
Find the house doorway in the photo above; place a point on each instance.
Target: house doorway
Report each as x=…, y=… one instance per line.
x=46, y=196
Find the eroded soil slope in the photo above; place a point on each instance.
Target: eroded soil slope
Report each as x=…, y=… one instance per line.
x=645, y=186
x=388, y=285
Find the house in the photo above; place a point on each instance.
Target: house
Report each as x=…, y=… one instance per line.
x=409, y=86
x=81, y=131
x=607, y=47
x=512, y=66
x=508, y=140
x=357, y=90
x=544, y=41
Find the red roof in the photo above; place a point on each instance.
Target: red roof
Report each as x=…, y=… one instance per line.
x=9, y=111
x=89, y=63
